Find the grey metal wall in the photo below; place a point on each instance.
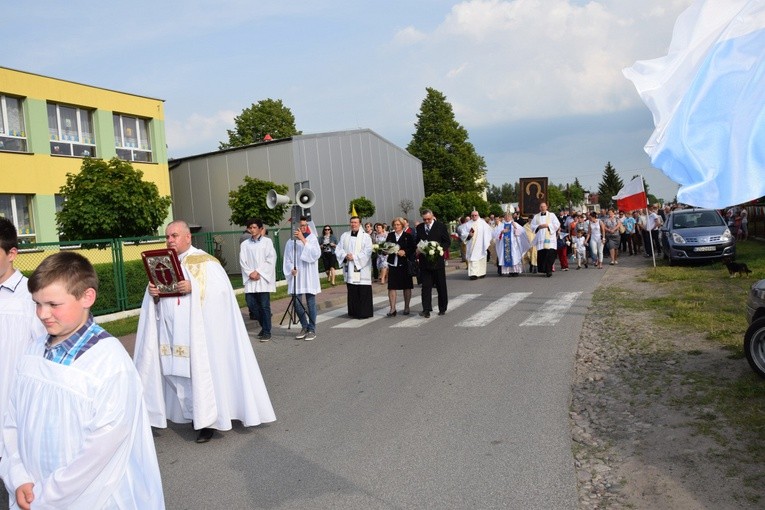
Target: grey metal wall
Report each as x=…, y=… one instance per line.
x=345, y=165
x=340, y=166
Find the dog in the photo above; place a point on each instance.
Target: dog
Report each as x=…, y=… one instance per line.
x=737, y=268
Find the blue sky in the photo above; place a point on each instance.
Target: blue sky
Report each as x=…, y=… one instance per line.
x=537, y=83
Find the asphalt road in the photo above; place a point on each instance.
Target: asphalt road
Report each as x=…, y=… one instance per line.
x=468, y=410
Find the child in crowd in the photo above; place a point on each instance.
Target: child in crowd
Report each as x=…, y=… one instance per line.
x=76, y=433
x=19, y=326
x=580, y=249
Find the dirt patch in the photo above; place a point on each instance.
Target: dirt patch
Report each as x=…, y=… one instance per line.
x=644, y=433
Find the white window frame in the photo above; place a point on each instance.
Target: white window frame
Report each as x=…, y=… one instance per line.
x=119, y=139
x=5, y=132
x=89, y=144
x=24, y=237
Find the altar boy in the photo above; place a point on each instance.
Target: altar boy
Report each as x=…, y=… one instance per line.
x=76, y=432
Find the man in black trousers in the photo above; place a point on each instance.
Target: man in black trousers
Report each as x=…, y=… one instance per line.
x=433, y=274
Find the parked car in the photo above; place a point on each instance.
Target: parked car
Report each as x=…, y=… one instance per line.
x=696, y=234
x=754, y=338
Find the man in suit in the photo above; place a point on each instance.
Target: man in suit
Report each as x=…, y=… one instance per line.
x=433, y=274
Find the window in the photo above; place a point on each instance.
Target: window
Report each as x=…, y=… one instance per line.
x=17, y=208
x=131, y=138
x=13, y=136
x=71, y=131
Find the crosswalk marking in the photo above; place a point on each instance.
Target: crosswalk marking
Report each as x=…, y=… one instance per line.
x=417, y=321
x=494, y=311
x=380, y=313
x=339, y=312
x=553, y=310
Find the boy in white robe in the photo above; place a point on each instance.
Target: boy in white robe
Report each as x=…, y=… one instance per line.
x=77, y=433
x=301, y=268
x=19, y=325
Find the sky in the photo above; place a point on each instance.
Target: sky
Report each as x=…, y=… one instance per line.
x=537, y=84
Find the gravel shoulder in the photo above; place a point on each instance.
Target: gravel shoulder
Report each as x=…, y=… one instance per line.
x=642, y=435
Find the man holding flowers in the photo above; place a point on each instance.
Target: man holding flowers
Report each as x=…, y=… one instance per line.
x=434, y=242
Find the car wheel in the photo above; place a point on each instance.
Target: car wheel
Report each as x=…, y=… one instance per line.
x=754, y=346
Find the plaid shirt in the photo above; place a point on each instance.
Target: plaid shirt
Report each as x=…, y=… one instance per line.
x=76, y=345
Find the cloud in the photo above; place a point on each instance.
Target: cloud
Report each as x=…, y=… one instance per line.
x=190, y=135
x=541, y=58
x=407, y=36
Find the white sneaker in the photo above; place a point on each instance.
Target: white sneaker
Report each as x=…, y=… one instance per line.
x=302, y=334
x=310, y=335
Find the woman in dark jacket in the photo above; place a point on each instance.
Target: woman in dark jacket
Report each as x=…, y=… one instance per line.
x=398, y=266
x=328, y=243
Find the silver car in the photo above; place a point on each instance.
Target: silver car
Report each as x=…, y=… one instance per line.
x=754, y=338
x=696, y=234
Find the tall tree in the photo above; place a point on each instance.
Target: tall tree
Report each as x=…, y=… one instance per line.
x=449, y=160
x=249, y=201
x=609, y=186
x=267, y=117
x=109, y=199
x=445, y=206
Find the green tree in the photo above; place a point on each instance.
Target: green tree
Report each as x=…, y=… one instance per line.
x=473, y=200
x=364, y=207
x=249, y=201
x=496, y=209
x=609, y=186
x=267, y=117
x=445, y=206
x=576, y=192
x=504, y=194
x=110, y=199
x=449, y=160
x=556, y=198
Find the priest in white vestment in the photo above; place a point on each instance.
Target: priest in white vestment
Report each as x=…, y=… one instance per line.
x=511, y=244
x=193, y=352
x=354, y=252
x=478, y=242
x=545, y=226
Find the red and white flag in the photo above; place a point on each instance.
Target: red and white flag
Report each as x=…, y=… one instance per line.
x=632, y=196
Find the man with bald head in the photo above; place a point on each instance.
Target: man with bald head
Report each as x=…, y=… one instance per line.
x=193, y=352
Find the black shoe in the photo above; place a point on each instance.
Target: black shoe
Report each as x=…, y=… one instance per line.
x=405, y=312
x=391, y=314
x=442, y=313
x=425, y=313
x=205, y=435
x=265, y=337
x=473, y=277
x=548, y=274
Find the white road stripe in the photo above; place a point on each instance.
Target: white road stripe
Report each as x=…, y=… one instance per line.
x=380, y=313
x=332, y=314
x=417, y=321
x=553, y=310
x=494, y=311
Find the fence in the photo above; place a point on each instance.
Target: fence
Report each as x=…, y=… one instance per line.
x=122, y=278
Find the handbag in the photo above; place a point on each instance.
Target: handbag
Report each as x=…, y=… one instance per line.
x=411, y=267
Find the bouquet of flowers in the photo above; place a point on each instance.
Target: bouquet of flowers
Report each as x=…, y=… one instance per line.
x=431, y=250
x=389, y=248
x=375, y=248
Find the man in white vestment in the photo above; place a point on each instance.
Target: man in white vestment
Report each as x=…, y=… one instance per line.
x=77, y=434
x=354, y=252
x=301, y=268
x=193, y=352
x=511, y=243
x=545, y=226
x=478, y=241
x=19, y=326
x=257, y=259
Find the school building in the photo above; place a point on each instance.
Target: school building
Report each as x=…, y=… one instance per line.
x=47, y=127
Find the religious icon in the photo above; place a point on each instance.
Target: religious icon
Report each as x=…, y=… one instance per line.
x=532, y=192
x=164, y=270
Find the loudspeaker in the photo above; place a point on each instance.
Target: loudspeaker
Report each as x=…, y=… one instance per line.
x=305, y=198
x=274, y=199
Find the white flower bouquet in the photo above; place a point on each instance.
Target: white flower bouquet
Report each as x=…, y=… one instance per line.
x=431, y=251
x=375, y=248
x=389, y=248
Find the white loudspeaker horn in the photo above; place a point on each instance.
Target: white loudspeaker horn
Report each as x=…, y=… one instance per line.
x=274, y=199
x=305, y=198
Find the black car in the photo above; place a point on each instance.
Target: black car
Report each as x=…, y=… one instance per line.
x=696, y=234
x=754, y=339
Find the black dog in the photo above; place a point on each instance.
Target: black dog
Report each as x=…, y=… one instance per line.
x=736, y=268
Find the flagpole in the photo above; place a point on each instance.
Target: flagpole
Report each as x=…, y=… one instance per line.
x=650, y=236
